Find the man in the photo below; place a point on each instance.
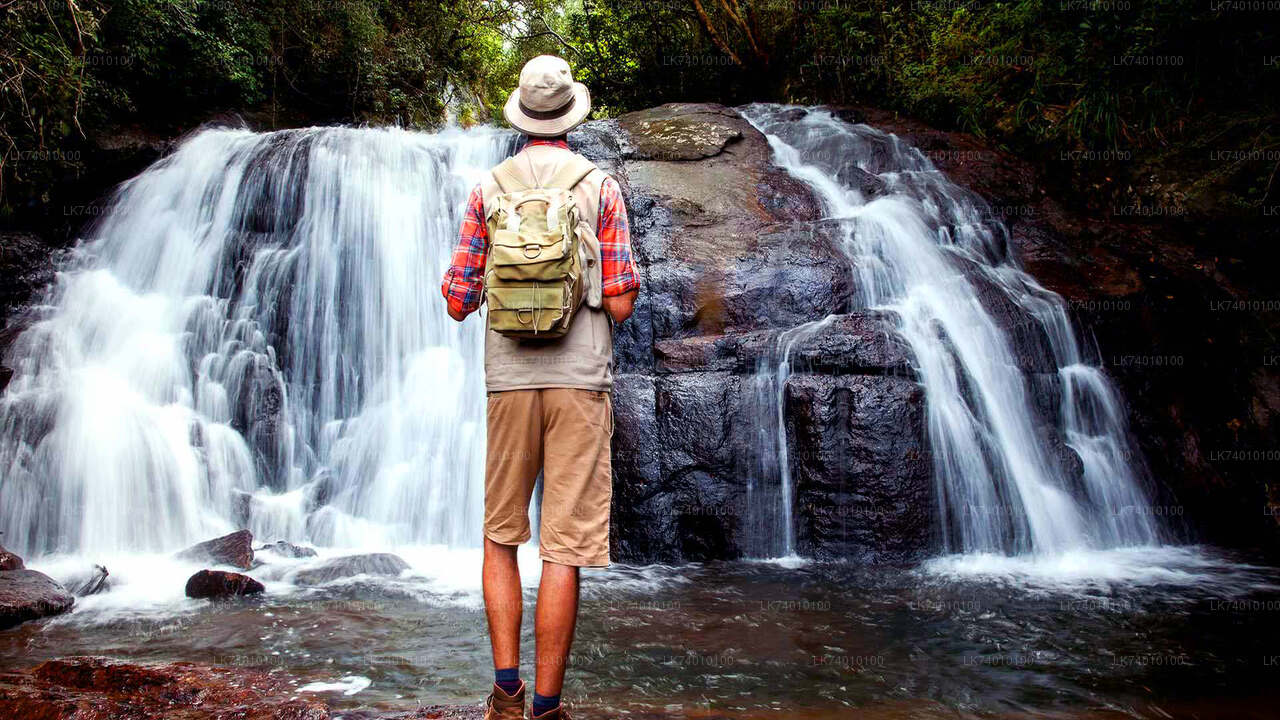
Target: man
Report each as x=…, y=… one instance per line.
x=549, y=405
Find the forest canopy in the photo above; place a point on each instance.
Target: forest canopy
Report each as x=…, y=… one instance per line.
x=1034, y=75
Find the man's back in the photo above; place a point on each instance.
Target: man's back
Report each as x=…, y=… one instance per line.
x=549, y=408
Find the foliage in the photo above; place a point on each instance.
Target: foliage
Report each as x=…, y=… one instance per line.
x=1044, y=74
x=1061, y=72
x=73, y=66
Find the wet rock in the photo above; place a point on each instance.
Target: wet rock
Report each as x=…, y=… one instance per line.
x=25, y=268
x=91, y=688
x=786, y=197
x=734, y=255
x=9, y=561
x=863, y=476
x=235, y=549
x=678, y=131
x=212, y=584
x=682, y=497
x=384, y=564
x=869, y=185
x=286, y=549
x=90, y=582
x=29, y=595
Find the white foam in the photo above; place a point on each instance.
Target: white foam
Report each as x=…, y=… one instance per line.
x=1083, y=569
x=349, y=685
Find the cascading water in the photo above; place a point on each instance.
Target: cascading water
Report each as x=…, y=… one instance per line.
x=931, y=252
x=254, y=336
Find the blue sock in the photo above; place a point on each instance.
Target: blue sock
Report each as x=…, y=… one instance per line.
x=508, y=679
x=543, y=703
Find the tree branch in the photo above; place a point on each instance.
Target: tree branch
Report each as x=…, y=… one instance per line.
x=714, y=34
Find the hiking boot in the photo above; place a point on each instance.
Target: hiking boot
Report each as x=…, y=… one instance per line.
x=501, y=706
x=560, y=713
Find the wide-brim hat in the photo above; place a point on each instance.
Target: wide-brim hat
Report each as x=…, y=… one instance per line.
x=548, y=102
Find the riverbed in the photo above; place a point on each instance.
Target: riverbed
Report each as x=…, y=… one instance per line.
x=1140, y=632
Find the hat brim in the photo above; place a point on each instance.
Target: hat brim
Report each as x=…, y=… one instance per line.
x=577, y=111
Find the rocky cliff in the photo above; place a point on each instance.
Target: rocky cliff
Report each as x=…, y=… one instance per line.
x=734, y=253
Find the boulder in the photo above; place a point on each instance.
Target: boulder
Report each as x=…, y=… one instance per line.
x=678, y=131
x=9, y=561
x=212, y=584
x=29, y=595
x=235, y=549
x=384, y=564
x=863, y=476
x=287, y=549
x=89, y=582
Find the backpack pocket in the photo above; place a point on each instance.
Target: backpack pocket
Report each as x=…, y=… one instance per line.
x=531, y=257
x=532, y=310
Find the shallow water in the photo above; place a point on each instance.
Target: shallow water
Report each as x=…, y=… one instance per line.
x=1154, y=632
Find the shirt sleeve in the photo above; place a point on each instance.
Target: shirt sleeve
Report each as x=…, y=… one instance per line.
x=617, y=264
x=464, y=280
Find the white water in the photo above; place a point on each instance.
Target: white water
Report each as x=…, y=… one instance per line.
x=254, y=337
x=927, y=250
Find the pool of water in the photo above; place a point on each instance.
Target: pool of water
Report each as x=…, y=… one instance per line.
x=1147, y=633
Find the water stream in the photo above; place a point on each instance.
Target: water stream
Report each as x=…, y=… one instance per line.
x=932, y=254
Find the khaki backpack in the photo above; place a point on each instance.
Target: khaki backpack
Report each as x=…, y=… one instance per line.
x=533, y=277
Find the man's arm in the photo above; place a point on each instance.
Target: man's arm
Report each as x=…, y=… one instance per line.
x=617, y=265
x=464, y=280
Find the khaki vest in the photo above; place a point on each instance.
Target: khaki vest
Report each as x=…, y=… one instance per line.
x=583, y=358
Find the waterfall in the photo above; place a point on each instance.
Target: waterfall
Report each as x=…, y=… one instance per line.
x=253, y=336
x=1012, y=478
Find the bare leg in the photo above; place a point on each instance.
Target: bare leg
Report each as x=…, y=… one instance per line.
x=554, y=621
x=503, y=604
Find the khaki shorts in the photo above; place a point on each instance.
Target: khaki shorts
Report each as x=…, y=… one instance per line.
x=565, y=433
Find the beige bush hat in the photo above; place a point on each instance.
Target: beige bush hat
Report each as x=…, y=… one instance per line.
x=548, y=101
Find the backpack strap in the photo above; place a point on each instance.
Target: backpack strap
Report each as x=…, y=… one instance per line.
x=570, y=172
x=508, y=176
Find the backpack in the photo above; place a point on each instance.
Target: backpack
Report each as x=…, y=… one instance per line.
x=533, y=277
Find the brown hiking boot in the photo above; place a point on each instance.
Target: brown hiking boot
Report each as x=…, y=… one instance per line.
x=501, y=706
x=560, y=713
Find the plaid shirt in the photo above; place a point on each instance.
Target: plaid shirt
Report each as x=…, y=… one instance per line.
x=464, y=280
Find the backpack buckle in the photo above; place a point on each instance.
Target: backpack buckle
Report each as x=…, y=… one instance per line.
x=537, y=250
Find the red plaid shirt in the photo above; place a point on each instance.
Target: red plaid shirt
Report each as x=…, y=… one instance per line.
x=464, y=280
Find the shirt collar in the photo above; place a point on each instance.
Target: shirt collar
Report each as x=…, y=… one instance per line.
x=547, y=141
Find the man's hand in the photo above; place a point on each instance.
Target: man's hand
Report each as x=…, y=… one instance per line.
x=619, y=307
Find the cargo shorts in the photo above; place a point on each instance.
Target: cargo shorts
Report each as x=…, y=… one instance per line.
x=565, y=433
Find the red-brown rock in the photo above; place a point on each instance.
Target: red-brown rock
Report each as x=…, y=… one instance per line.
x=93, y=688
x=28, y=595
x=9, y=561
x=220, y=584
x=235, y=549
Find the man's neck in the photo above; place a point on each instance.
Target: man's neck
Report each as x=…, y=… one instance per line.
x=558, y=141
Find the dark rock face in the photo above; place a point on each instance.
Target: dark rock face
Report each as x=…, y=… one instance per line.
x=384, y=564
x=29, y=595
x=25, y=269
x=9, y=561
x=863, y=480
x=213, y=584
x=235, y=549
